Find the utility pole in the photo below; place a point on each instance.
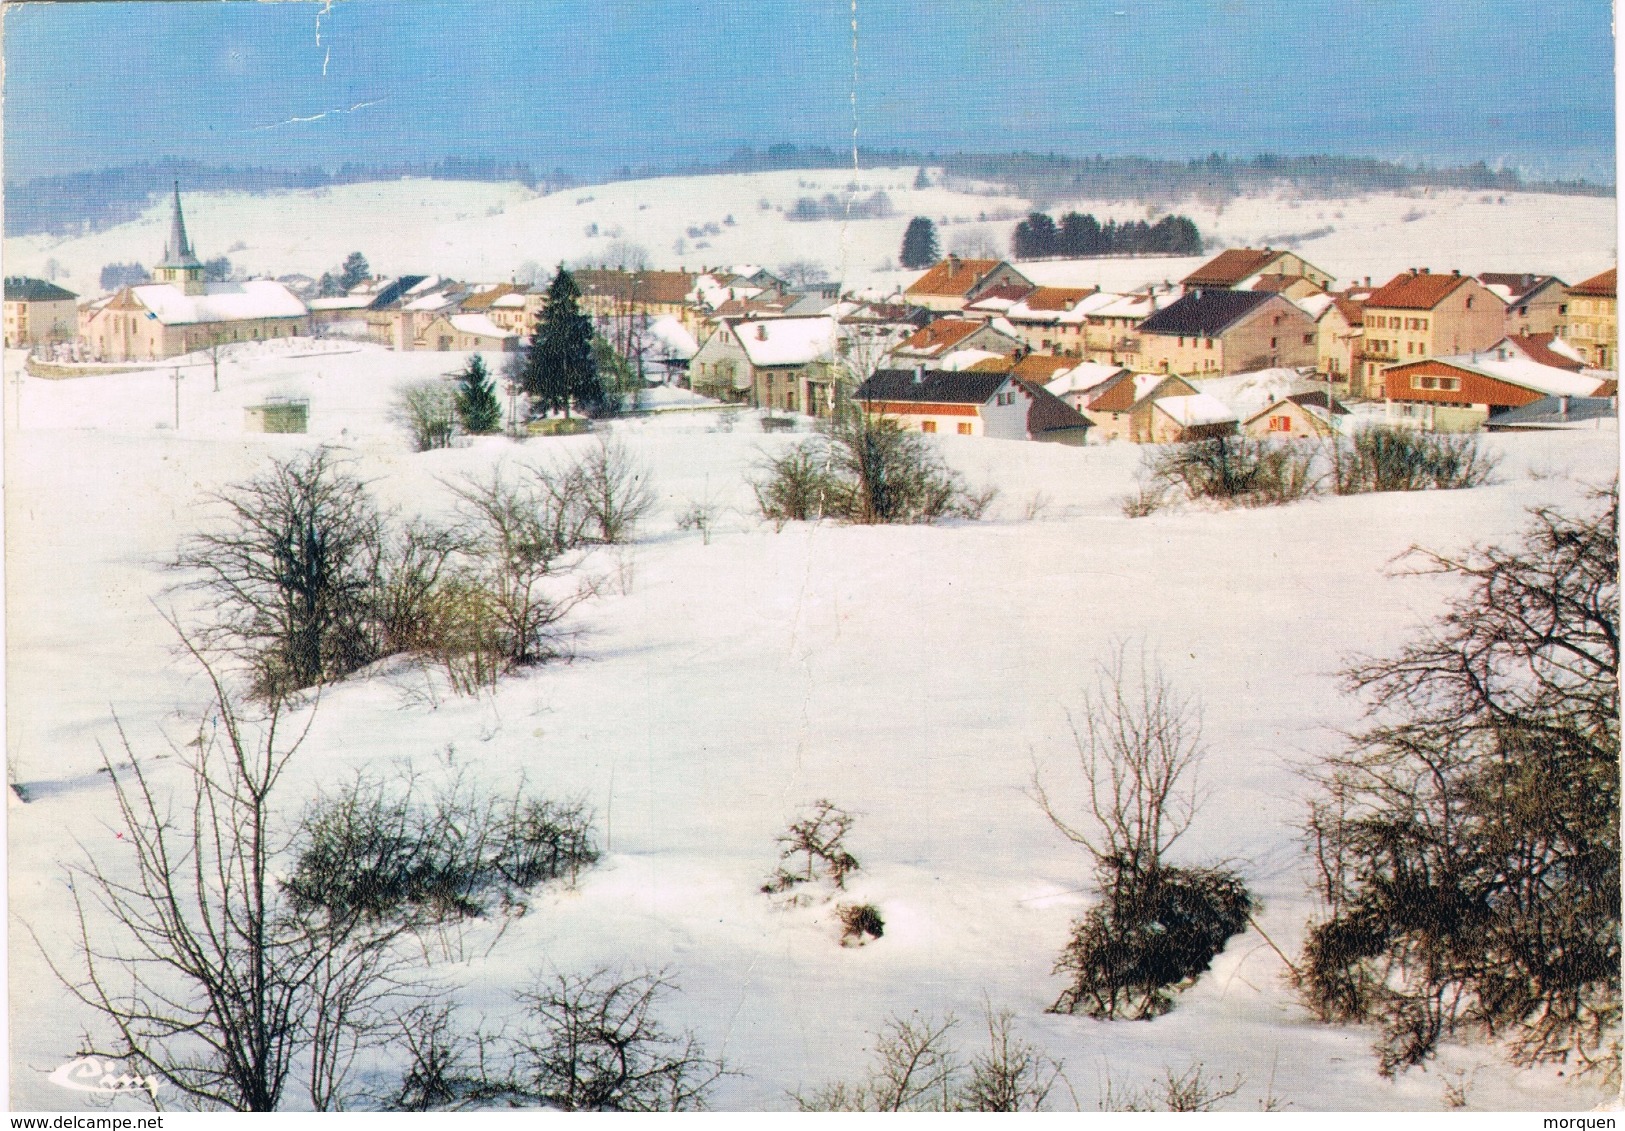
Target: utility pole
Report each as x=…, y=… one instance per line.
x=176, y=377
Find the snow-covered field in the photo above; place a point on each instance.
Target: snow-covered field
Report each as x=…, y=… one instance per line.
x=489, y=232
x=915, y=676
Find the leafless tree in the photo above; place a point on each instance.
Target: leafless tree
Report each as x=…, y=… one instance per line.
x=1012, y=1075
x=1190, y=1090
x=614, y=488
x=1467, y=842
x=1157, y=925
x=428, y=412
x=1139, y=746
x=201, y=972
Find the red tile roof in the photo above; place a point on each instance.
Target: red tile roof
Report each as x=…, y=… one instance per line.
x=952, y=277
x=1278, y=282
x=1537, y=347
x=482, y=300
x=1598, y=286
x=640, y=286
x=1057, y=298
x=941, y=334
x=1015, y=292
x=1414, y=290
x=1043, y=368
x=1230, y=267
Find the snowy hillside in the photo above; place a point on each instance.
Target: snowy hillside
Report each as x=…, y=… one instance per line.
x=482, y=231
x=915, y=676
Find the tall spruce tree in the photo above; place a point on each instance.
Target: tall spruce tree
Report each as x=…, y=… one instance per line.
x=477, y=406
x=920, y=244
x=560, y=370
x=355, y=270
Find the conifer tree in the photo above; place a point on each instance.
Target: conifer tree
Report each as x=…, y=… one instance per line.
x=355, y=270
x=560, y=369
x=477, y=406
x=920, y=244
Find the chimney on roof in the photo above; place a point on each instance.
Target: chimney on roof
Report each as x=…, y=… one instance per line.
x=1427, y=270
x=1563, y=407
x=761, y=331
x=919, y=374
x=953, y=263
x=1368, y=280
x=1456, y=273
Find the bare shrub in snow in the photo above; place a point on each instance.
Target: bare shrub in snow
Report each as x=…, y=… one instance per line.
x=520, y=531
x=389, y=854
x=1233, y=470
x=1384, y=458
x=447, y=1066
x=1157, y=926
x=290, y=574
x=1190, y=1090
x=917, y=1067
x=818, y=840
x=594, y=1043
x=859, y=921
x=796, y=486
x=867, y=471
x=205, y=975
x=428, y=412
x=1467, y=843
x=415, y=558
x=700, y=515
x=614, y=490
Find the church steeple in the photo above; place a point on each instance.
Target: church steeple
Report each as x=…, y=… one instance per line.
x=180, y=266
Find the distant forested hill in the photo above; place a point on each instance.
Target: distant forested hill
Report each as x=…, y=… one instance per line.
x=73, y=203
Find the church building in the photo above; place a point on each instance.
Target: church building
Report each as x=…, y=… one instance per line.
x=178, y=312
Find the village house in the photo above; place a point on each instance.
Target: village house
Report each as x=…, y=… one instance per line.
x=1077, y=385
x=465, y=332
x=780, y=364
x=1463, y=393
x=1241, y=268
x=1187, y=418
x=1418, y=314
x=1559, y=414
x=1300, y=416
x=1536, y=304
x=1339, y=334
x=1111, y=323
x=971, y=403
x=1120, y=407
x=935, y=344
x=954, y=283
x=1212, y=333
x=38, y=313
x=179, y=312
x=1592, y=325
x=1048, y=319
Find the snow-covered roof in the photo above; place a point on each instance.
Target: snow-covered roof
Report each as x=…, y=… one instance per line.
x=220, y=302
x=1136, y=305
x=428, y=283
x=1314, y=305
x=1089, y=304
x=341, y=302
x=479, y=325
x=511, y=300
x=673, y=337
x=1003, y=326
x=1197, y=409
x=1528, y=374
x=787, y=341
x=428, y=304
x=1001, y=303
x=1081, y=378
x=963, y=359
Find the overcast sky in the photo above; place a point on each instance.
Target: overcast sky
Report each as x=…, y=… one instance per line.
x=589, y=86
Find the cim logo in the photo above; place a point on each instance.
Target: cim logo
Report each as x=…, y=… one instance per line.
x=92, y=1074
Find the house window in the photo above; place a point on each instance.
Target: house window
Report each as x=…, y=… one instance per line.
x=928, y=426
x=1272, y=343
x=1209, y=343
x=964, y=428
x=1280, y=424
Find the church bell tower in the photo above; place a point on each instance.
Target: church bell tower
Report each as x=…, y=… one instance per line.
x=180, y=266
